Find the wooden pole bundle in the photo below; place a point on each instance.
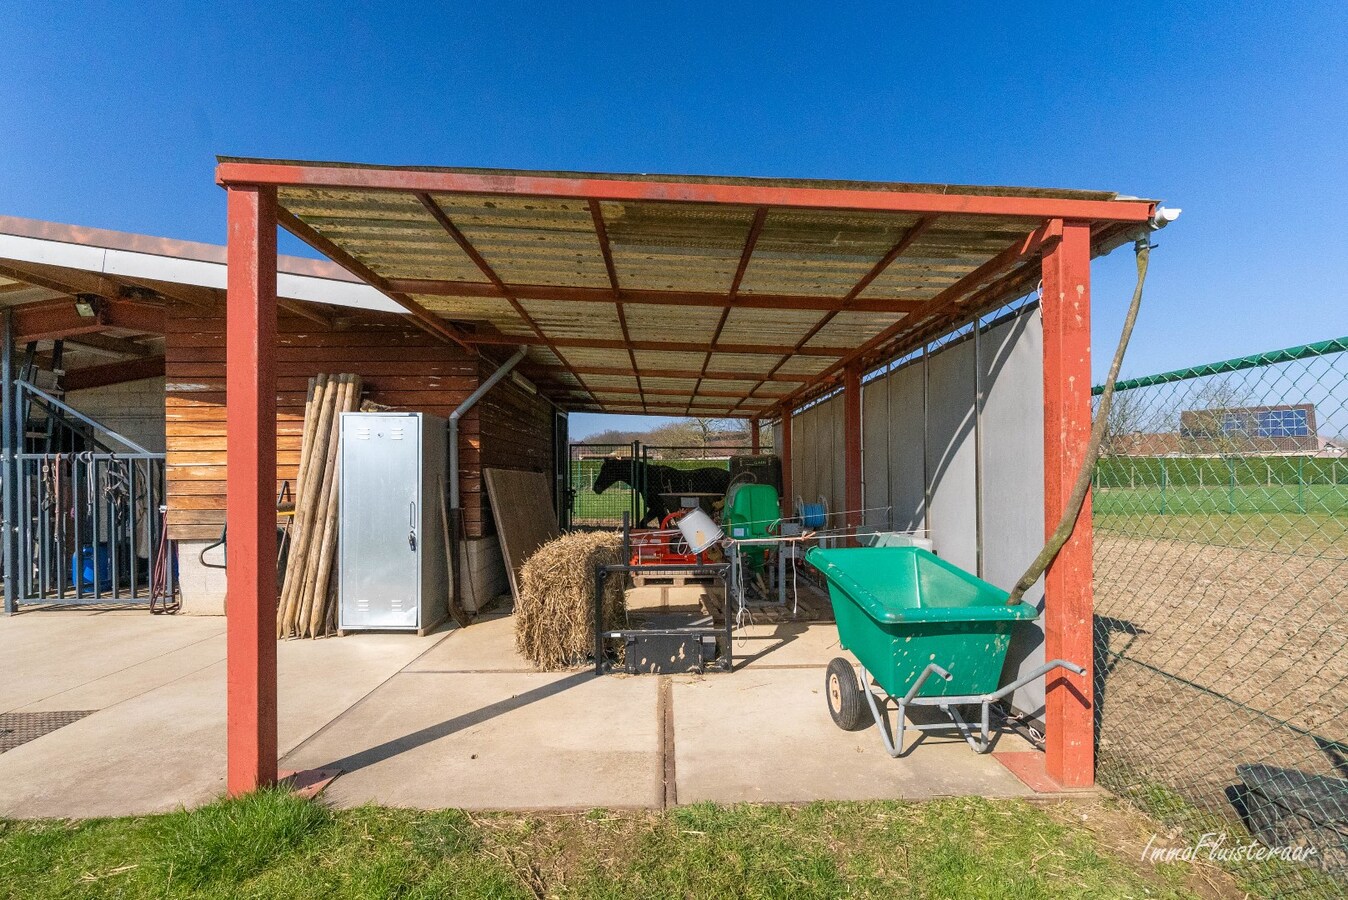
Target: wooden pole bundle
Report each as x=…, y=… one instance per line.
x=305, y=607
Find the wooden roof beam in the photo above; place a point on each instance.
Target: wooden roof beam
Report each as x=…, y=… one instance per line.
x=113, y=373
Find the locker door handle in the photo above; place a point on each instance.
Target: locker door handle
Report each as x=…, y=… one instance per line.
x=412, y=525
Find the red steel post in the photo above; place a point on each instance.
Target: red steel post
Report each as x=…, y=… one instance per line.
x=784, y=452
x=1066, y=305
x=852, y=446
x=754, y=437
x=250, y=508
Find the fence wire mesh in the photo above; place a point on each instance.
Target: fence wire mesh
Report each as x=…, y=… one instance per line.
x=1221, y=597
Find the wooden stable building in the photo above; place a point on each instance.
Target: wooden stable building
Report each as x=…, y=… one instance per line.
x=150, y=363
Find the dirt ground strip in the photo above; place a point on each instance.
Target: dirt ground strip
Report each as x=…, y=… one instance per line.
x=1210, y=657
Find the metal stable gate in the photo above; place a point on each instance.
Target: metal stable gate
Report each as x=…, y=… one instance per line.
x=84, y=523
x=604, y=481
x=90, y=526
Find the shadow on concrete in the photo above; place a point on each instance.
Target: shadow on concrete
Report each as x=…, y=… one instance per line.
x=780, y=637
x=389, y=749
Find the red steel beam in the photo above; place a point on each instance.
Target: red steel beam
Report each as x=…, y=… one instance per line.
x=671, y=373
x=496, y=338
x=250, y=509
x=1066, y=309
x=947, y=303
x=485, y=268
x=852, y=448
x=601, y=234
x=581, y=187
x=788, y=498
x=750, y=242
x=644, y=296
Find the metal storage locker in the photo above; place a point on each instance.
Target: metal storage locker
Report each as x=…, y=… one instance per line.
x=393, y=574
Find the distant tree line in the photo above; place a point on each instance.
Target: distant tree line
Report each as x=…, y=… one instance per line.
x=692, y=432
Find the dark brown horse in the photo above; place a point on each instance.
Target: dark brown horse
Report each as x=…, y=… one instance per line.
x=653, y=480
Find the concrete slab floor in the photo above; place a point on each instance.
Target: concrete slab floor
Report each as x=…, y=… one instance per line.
x=456, y=718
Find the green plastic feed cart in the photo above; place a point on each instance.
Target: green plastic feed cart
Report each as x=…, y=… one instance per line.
x=752, y=511
x=927, y=632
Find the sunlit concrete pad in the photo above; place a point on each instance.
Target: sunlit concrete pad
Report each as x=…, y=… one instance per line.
x=487, y=645
x=765, y=735
x=49, y=656
x=788, y=644
x=496, y=741
x=163, y=746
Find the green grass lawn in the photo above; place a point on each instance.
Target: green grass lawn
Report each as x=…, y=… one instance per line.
x=274, y=845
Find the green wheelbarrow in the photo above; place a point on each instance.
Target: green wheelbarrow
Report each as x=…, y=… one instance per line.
x=927, y=632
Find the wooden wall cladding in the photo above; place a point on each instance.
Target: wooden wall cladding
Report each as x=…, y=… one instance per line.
x=402, y=367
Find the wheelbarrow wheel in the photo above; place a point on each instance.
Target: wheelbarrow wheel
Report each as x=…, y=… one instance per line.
x=843, y=691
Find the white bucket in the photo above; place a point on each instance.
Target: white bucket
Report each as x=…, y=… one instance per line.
x=699, y=530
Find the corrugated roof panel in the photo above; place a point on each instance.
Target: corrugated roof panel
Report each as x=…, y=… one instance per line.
x=648, y=322
x=676, y=246
x=471, y=309
x=611, y=382
x=391, y=233
x=778, y=326
x=804, y=365
x=530, y=240
x=757, y=363
x=850, y=329
x=669, y=359
x=819, y=252
x=581, y=356
x=575, y=319
x=669, y=384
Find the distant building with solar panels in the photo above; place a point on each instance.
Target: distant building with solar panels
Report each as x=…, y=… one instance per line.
x=1251, y=429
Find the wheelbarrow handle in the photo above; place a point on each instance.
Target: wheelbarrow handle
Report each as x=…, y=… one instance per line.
x=1036, y=674
x=921, y=679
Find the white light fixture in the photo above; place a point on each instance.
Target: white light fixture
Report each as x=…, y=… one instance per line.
x=1163, y=216
x=86, y=305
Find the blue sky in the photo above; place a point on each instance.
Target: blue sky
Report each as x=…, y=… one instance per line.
x=1238, y=113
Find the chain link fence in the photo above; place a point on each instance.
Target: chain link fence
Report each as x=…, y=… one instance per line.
x=1221, y=598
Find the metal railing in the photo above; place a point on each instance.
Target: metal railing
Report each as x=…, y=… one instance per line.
x=84, y=526
x=90, y=525
x=1220, y=513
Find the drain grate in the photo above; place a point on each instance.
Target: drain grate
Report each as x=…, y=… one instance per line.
x=20, y=728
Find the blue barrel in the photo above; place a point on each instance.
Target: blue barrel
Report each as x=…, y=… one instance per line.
x=82, y=568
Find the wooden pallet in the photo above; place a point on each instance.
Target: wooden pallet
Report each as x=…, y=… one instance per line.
x=674, y=579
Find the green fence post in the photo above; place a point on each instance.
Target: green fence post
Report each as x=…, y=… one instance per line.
x=1163, y=483
x=1301, y=483
x=1231, y=492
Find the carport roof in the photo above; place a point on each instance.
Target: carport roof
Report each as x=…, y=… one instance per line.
x=680, y=294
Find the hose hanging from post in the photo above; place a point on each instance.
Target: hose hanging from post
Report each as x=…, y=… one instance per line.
x=1142, y=247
